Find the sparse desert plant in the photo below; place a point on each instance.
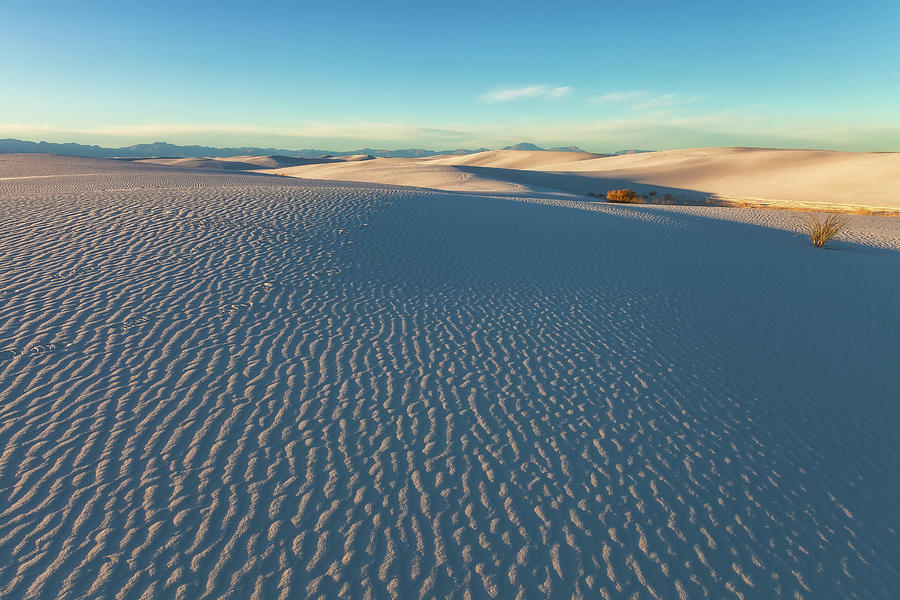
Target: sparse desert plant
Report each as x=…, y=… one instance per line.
x=820, y=231
x=626, y=196
x=653, y=193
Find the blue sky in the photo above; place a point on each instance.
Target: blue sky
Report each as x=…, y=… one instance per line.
x=343, y=75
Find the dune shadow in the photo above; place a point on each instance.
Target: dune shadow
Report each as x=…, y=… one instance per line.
x=598, y=187
x=583, y=185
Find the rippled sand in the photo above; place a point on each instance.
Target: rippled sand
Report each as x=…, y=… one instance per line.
x=219, y=385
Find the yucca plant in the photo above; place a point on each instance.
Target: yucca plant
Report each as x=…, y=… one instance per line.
x=820, y=231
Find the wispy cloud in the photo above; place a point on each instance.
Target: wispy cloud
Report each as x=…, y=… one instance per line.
x=642, y=101
x=530, y=91
x=620, y=96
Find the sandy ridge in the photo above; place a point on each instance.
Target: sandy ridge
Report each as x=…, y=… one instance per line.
x=765, y=177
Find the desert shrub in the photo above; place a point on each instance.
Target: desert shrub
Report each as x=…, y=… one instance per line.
x=653, y=193
x=626, y=196
x=820, y=231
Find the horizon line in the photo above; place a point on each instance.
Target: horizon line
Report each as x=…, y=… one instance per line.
x=510, y=147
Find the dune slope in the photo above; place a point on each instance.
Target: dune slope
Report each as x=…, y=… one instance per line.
x=409, y=172
x=233, y=163
x=785, y=178
x=219, y=385
x=852, y=178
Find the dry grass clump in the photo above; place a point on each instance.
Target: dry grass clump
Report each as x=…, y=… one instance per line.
x=820, y=231
x=626, y=196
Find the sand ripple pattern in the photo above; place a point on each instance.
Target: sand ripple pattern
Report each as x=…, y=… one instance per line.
x=227, y=386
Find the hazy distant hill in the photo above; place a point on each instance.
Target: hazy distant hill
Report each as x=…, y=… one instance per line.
x=529, y=146
x=524, y=146
x=164, y=149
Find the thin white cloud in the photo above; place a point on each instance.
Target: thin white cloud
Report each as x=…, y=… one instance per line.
x=620, y=96
x=559, y=92
x=642, y=101
x=531, y=91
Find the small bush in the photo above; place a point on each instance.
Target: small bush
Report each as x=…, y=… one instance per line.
x=653, y=193
x=821, y=231
x=625, y=196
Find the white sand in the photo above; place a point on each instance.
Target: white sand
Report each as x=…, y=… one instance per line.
x=782, y=177
x=227, y=385
x=248, y=163
x=407, y=172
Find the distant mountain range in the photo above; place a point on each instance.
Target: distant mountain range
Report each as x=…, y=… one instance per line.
x=528, y=146
x=164, y=149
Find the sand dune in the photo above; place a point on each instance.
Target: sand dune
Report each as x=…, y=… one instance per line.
x=229, y=385
x=273, y=162
x=203, y=163
x=409, y=172
x=248, y=163
x=780, y=177
x=232, y=163
x=799, y=179
x=867, y=179
x=518, y=159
